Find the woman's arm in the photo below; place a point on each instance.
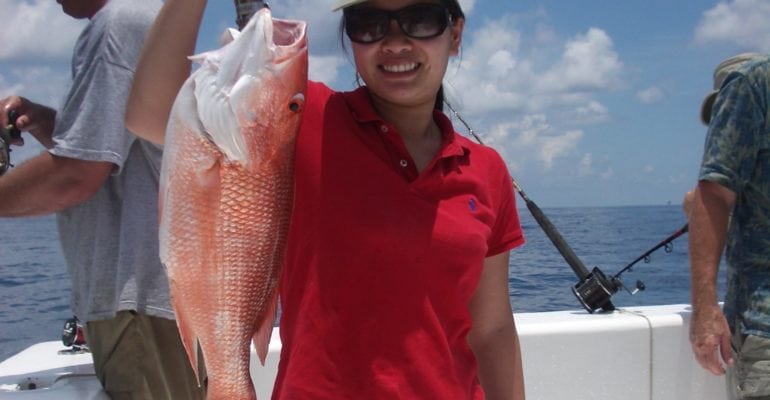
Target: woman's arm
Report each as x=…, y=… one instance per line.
x=493, y=337
x=163, y=67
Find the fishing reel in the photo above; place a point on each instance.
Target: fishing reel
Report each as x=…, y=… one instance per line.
x=595, y=289
x=7, y=134
x=72, y=336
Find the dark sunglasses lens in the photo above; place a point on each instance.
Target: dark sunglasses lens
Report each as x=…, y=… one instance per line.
x=366, y=25
x=423, y=21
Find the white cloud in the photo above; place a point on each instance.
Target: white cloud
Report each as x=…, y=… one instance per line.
x=553, y=147
x=41, y=84
x=324, y=68
x=739, y=22
x=37, y=28
x=529, y=101
x=590, y=113
x=589, y=63
x=467, y=6
x=585, y=167
x=607, y=173
x=531, y=139
x=650, y=95
x=500, y=70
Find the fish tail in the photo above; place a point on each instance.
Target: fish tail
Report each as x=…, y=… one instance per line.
x=261, y=337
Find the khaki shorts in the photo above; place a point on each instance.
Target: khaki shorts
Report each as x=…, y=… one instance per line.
x=141, y=357
x=749, y=378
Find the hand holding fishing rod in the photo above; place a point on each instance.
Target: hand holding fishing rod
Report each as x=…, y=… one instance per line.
x=8, y=134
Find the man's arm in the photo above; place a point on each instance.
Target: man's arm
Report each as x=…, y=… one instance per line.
x=47, y=184
x=709, y=217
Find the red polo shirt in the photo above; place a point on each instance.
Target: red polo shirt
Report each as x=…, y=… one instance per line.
x=383, y=260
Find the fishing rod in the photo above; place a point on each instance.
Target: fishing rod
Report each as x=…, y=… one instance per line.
x=244, y=9
x=7, y=134
x=646, y=256
x=593, y=289
x=588, y=293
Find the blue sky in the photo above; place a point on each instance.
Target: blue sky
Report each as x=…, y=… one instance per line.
x=591, y=103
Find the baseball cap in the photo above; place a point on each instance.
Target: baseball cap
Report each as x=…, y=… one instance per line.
x=720, y=73
x=340, y=4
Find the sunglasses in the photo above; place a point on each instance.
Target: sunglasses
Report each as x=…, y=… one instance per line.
x=419, y=21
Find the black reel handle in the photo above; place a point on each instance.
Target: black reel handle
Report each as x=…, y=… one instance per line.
x=11, y=129
x=7, y=134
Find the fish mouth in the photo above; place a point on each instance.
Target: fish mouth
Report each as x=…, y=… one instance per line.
x=290, y=37
x=400, y=68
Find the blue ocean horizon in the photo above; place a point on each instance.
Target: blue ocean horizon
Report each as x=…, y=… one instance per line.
x=35, y=285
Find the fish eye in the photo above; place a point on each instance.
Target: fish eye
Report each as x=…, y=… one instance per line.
x=295, y=105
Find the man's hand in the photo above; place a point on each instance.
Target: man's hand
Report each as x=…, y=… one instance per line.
x=30, y=117
x=710, y=339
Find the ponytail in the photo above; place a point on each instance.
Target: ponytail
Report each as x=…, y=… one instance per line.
x=439, y=99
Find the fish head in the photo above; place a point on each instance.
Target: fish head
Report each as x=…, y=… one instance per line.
x=250, y=93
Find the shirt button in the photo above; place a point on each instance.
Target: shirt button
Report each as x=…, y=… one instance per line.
x=404, y=163
x=383, y=128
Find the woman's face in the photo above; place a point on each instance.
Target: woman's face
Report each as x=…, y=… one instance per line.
x=403, y=70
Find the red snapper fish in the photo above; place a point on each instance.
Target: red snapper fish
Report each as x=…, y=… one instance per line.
x=226, y=195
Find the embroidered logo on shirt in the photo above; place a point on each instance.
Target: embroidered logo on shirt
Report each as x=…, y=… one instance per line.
x=472, y=205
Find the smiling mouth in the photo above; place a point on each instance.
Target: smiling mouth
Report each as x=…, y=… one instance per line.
x=401, y=68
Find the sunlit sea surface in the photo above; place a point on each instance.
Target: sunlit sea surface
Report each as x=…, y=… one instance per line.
x=34, y=284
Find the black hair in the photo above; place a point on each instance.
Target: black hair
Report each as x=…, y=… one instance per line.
x=455, y=11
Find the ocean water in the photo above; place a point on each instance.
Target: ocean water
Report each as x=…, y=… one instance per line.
x=34, y=284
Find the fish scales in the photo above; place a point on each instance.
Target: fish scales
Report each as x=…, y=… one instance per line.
x=227, y=193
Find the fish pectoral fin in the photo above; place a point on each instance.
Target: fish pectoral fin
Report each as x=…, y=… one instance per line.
x=242, y=99
x=261, y=337
x=216, y=115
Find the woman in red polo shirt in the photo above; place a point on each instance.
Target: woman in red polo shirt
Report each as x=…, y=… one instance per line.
x=395, y=283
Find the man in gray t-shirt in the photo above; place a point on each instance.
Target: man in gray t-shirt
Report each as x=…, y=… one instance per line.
x=102, y=181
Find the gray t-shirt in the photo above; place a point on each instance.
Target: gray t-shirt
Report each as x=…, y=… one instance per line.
x=110, y=242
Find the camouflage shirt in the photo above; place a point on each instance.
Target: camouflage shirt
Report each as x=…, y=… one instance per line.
x=737, y=156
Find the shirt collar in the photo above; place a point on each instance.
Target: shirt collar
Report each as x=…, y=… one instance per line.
x=362, y=110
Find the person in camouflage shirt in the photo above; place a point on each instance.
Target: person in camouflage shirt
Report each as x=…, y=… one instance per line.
x=730, y=209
